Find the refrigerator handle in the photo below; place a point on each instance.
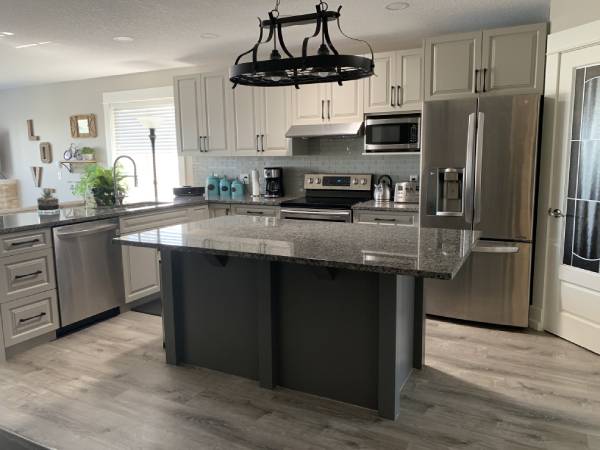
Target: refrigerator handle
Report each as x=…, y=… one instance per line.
x=478, y=165
x=468, y=182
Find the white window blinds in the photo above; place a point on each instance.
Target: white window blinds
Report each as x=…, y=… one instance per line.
x=130, y=137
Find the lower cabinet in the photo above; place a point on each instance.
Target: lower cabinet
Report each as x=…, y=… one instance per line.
x=218, y=210
x=398, y=218
x=260, y=211
x=28, y=317
x=141, y=268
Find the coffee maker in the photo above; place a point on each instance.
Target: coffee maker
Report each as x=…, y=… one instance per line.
x=273, y=182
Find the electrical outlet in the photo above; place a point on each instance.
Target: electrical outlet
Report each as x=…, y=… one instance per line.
x=245, y=178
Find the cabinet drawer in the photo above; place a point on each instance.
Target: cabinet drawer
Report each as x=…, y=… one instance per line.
x=27, y=241
x=388, y=218
x=198, y=213
x=148, y=221
x=261, y=211
x=29, y=317
x=26, y=274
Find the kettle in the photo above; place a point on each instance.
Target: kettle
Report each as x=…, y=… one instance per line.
x=382, y=191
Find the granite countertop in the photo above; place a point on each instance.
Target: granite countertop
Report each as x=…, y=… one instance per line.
x=422, y=252
x=372, y=205
x=31, y=220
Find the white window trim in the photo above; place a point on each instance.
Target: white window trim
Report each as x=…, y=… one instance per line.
x=116, y=99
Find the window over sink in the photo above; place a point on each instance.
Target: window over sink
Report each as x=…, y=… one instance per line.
x=127, y=136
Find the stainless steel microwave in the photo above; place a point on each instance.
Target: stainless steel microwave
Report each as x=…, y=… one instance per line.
x=393, y=134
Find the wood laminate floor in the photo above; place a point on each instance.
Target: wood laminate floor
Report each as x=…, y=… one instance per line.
x=107, y=387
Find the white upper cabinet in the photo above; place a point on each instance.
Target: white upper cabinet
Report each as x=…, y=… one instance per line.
x=246, y=119
x=308, y=104
x=327, y=103
x=513, y=59
x=451, y=63
x=217, y=115
x=187, y=113
x=275, y=116
x=501, y=61
x=409, y=79
x=397, y=84
x=204, y=119
x=345, y=102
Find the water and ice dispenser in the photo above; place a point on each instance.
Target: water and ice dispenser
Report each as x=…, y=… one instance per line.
x=445, y=192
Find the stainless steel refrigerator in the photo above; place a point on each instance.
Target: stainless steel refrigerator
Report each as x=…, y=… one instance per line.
x=478, y=168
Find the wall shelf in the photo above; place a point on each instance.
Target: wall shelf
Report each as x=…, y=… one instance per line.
x=68, y=164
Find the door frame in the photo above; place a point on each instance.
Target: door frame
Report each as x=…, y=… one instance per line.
x=551, y=159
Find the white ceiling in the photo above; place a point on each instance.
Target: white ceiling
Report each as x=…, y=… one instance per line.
x=167, y=32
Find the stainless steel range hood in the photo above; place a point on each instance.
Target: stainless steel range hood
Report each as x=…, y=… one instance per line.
x=352, y=129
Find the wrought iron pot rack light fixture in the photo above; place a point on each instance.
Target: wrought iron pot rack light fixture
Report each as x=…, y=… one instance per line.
x=325, y=67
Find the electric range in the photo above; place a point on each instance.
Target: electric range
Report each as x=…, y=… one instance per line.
x=329, y=197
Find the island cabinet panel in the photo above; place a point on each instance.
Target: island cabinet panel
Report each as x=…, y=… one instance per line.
x=328, y=340
x=344, y=334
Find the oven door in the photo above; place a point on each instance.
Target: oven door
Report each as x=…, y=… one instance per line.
x=392, y=134
x=324, y=215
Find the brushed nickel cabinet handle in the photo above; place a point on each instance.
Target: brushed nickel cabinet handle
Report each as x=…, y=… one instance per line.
x=262, y=142
x=393, y=103
x=399, y=96
x=476, y=81
x=322, y=109
x=37, y=316
x=257, y=137
x=328, y=109
x=32, y=241
x=26, y=275
x=206, y=143
x=484, y=74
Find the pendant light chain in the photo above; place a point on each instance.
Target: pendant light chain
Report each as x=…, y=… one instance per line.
x=275, y=10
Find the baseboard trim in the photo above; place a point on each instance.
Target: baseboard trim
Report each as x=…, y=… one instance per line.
x=535, y=318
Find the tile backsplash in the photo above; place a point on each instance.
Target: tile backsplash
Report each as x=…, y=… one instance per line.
x=324, y=155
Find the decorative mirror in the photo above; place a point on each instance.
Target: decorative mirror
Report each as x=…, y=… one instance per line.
x=83, y=126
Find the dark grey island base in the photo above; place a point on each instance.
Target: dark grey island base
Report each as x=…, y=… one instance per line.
x=288, y=303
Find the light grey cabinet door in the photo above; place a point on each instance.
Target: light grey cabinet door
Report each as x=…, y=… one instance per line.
x=217, y=113
x=451, y=63
x=187, y=113
x=380, y=90
x=513, y=60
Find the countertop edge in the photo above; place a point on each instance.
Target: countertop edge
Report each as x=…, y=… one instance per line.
x=311, y=262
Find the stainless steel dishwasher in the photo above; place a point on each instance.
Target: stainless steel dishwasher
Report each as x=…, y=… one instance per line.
x=89, y=270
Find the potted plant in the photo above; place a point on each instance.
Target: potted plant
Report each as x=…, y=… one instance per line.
x=88, y=153
x=98, y=182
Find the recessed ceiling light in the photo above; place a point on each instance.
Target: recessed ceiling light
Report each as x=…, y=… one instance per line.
x=34, y=44
x=397, y=6
x=7, y=33
x=123, y=39
x=209, y=36
x=27, y=45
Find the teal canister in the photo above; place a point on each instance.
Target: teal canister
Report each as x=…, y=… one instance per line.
x=225, y=189
x=213, y=187
x=237, y=190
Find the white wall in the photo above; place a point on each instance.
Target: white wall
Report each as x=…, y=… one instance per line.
x=50, y=107
x=571, y=13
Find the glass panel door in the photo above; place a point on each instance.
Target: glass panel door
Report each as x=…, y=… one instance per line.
x=582, y=229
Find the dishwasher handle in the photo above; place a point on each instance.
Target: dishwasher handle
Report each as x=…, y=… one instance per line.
x=87, y=231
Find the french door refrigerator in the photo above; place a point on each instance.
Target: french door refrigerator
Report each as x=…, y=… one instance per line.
x=478, y=168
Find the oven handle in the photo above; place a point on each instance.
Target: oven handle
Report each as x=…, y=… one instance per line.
x=394, y=121
x=314, y=214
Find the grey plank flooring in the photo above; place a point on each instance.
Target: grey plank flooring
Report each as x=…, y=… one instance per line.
x=107, y=387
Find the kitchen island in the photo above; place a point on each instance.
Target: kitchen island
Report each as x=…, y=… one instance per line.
x=332, y=309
